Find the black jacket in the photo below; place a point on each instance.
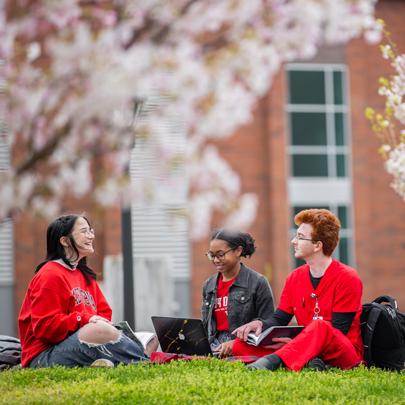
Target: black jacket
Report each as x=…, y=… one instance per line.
x=250, y=297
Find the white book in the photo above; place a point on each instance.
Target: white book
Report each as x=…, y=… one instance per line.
x=142, y=337
x=145, y=338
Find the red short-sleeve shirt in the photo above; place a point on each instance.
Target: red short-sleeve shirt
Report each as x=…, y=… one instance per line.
x=340, y=290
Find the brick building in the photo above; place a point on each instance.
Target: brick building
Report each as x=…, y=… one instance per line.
x=310, y=149
x=309, y=145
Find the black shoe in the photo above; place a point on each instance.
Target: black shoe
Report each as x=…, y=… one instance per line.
x=271, y=362
x=317, y=364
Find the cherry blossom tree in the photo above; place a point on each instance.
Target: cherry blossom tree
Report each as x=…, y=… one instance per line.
x=389, y=125
x=77, y=74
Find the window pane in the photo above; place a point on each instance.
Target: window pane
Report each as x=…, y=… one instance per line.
x=297, y=209
x=341, y=165
x=306, y=87
x=310, y=165
x=340, y=129
x=342, y=215
x=308, y=128
x=338, y=87
x=344, y=250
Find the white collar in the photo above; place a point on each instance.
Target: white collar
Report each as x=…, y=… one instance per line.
x=60, y=261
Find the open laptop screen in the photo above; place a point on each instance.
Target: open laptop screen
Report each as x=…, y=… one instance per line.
x=181, y=335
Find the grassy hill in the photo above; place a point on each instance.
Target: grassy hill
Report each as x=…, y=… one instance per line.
x=199, y=382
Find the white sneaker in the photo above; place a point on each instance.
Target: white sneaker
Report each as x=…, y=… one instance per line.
x=102, y=363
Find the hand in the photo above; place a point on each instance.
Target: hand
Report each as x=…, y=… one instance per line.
x=98, y=318
x=225, y=349
x=280, y=342
x=243, y=331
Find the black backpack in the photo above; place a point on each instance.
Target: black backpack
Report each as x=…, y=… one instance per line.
x=383, y=333
x=10, y=352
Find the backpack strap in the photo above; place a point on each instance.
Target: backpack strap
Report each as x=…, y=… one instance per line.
x=387, y=298
x=368, y=333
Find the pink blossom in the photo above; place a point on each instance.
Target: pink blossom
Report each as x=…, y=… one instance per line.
x=198, y=70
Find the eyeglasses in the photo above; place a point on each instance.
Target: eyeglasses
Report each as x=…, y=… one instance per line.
x=87, y=231
x=219, y=255
x=302, y=238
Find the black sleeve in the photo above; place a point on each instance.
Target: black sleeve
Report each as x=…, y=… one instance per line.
x=264, y=300
x=342, y=320
x=277, y=318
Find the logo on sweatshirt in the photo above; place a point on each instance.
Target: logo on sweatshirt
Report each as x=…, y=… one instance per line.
x=83, y=297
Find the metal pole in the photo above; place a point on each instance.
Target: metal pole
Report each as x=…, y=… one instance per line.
x=129, y=301
x=126, y=232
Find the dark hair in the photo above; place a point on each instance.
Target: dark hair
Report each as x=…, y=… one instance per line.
x=63, y=226
x=235, y=239
x=325, y=225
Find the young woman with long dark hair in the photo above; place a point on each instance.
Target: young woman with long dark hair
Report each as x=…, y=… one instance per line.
x=65, y=318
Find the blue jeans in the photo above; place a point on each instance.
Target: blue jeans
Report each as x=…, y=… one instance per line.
x=71, y=352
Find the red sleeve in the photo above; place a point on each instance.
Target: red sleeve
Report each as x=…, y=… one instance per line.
x=51, y=321
x=348, y=293
x=103, y=309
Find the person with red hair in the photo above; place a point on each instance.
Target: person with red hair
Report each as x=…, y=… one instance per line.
x=324, y=295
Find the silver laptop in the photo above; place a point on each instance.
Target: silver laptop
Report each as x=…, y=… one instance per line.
x=181, y=335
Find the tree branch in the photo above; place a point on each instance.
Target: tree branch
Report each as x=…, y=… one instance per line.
x=161, y=32
x=46, y=151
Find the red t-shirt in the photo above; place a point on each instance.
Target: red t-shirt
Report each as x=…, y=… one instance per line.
x=221, y=304
x=57, y=303
x=339, y=290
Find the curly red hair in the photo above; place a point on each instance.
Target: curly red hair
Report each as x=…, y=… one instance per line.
x=326, y=227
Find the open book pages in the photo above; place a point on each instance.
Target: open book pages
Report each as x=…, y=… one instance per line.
x=145, y=338
x=142, y=337
x=252, y=339
x=267, y=336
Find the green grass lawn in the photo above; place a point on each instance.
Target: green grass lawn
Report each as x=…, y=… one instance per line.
x=199, y=381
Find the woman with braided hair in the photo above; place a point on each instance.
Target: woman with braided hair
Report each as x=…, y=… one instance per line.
x=236, y=294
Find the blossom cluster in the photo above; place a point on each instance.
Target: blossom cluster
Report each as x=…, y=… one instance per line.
x=76, y=71
x=389, y=125
x=395, y=165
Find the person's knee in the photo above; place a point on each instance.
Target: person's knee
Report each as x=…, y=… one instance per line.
x=317, y=329
x=99, y=333
x=318, y=324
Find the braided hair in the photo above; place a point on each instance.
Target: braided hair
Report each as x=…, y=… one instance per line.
x=235, y=239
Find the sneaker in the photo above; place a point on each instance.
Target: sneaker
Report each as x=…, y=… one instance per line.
x=317, y=364
x=271, y=362
x=102, y=363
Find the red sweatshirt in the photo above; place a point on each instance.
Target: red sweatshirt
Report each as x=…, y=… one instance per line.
x=58, y=302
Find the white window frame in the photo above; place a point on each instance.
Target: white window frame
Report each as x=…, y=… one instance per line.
x=331, y=191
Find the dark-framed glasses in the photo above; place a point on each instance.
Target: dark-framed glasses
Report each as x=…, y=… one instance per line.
x=299, y=237
x=219, y=255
